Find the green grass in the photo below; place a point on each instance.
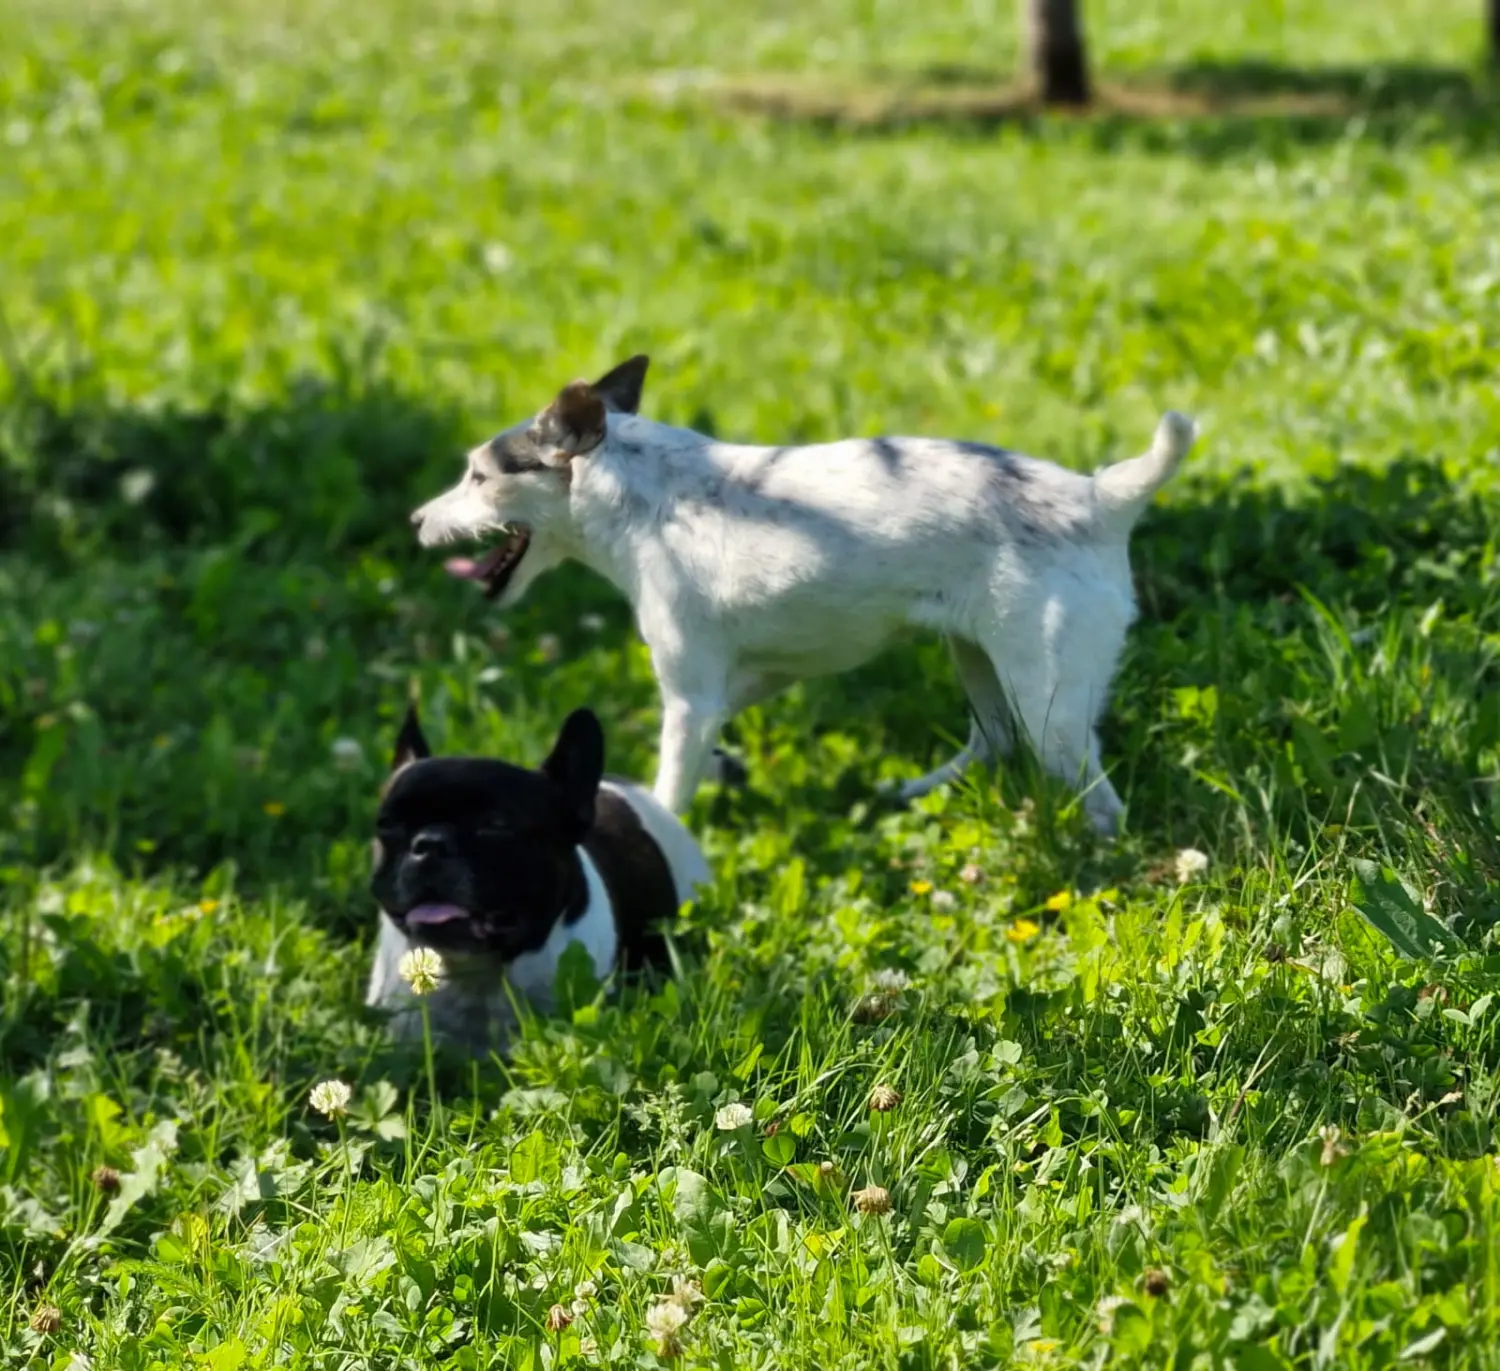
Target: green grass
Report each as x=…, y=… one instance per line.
x=264, y=272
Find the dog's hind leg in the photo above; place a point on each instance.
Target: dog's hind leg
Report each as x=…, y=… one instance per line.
x=976, y=673
x=727, y=770
x=989, y=726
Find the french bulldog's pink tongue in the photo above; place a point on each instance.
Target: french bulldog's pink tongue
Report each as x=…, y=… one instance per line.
x=435, y=914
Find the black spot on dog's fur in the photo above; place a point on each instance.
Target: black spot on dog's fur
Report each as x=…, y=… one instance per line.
x=515, y=452
x=1002, y=459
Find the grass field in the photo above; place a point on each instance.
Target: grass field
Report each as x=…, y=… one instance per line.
x=266, y=269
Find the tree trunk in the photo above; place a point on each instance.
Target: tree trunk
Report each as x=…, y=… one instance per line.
x=1055, y=50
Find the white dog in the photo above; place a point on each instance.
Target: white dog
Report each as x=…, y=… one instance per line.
x=752, y=567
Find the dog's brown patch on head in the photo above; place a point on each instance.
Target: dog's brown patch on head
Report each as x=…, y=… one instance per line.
x=575, y=422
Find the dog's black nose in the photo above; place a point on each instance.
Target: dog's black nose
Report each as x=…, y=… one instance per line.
x=436, y=841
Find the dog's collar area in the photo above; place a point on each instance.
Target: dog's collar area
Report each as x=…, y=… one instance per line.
x=494, y=570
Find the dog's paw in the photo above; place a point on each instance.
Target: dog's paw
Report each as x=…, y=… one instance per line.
x=728, y=771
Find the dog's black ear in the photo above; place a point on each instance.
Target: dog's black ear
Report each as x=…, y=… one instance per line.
x=411, y=742
x=576, y=766
x=620, y=389
x=574, y=423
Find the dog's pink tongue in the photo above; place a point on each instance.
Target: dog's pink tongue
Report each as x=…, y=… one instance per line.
x=435, y=914
x=465, y=568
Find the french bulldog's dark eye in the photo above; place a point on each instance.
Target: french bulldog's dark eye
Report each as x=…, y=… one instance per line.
x=477, y=476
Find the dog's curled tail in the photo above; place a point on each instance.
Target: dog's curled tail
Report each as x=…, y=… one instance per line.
x=1123, y=490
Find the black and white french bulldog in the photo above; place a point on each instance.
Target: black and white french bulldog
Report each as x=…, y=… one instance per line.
x=498, y=869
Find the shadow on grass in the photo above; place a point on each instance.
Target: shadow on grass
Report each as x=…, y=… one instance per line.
x=336, y=464
x=1370, y=545
x=195, y=599
x=1394, y=726
x=1209, y=109
x=333, y=472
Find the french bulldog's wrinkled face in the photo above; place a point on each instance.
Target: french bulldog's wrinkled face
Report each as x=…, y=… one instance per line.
x=478, y=856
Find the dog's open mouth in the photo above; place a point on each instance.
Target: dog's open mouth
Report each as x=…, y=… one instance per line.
x=445, y=927
x=457, y=929
x=494, y=570
x=434, y=915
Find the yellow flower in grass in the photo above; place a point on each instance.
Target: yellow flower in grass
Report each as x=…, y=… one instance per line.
x=1023, y=930
x=921, y=887
x=274, y=808
x=1060, y=902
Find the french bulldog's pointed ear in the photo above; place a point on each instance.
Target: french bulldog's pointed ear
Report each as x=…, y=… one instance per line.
x=411, y=742
x=620, y=389
x=574, y=423
x=576, y=766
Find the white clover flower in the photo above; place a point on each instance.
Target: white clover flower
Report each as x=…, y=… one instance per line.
x=347, y=753
x=549, y=647
x=944, y=900
x=733, y=1116
x=591, y=623
x=330, y=1098
x=585, y=1290
x=421, y=969
x=1190, y=863
x=891, y=981
x=1105, y=1312
x=665, y=1320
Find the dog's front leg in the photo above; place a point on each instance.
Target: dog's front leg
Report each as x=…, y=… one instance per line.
x=690, y=726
